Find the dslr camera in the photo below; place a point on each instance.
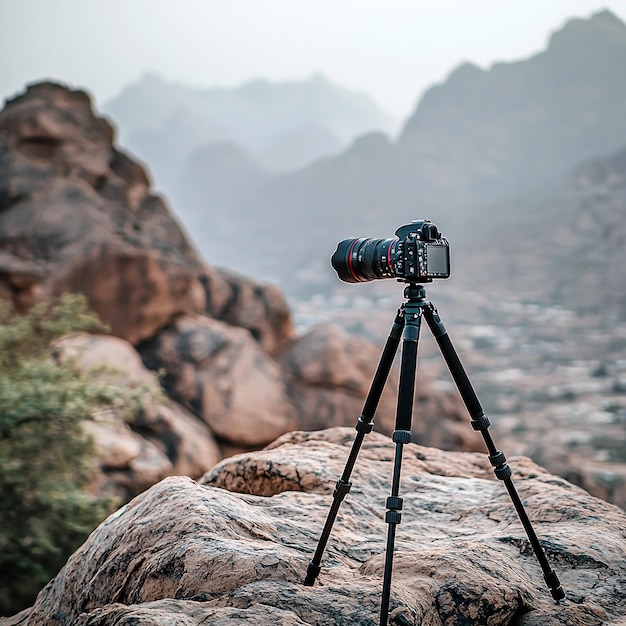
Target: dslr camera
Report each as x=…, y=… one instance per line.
x=417, y=254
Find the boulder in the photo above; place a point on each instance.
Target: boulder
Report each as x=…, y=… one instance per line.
x=194, y=553
x=259, y=307
x=329, y=373
x=134, y=450
x=77, y=215
x=221, y=374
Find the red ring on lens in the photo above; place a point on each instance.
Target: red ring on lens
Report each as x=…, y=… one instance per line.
x=389, y=256
x=350, y=265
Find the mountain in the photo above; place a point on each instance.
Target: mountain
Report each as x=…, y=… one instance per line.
x=480, y=142
x=164, y=123
x=528, y=121
x=567, y=247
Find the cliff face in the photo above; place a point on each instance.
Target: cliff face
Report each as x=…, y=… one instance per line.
x=236, y=546
x=567, y=249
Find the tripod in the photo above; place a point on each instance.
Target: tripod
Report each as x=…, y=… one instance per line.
x=407, y=325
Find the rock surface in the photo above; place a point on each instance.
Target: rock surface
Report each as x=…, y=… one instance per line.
x=222, y=374
x=134, y=451
x=190, y=553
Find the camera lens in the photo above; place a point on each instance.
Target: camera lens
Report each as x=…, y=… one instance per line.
x=361, y=260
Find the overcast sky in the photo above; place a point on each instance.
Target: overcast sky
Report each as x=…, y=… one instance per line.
x=391, y=49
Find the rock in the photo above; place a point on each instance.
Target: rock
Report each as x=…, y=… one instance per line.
x=221, y=374
x=77, y=215
x=187, y=442
x=329, y=373
x=127, y=464
x=602, y=479
x=122, y=362
x=190, y=553
x=258, y=307
x=136, y=450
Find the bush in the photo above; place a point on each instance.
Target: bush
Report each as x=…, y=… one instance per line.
x=45, y=465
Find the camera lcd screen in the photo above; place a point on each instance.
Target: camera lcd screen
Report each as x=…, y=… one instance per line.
x=437, y=261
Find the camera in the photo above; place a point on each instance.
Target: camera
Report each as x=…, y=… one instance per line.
x=417, y=254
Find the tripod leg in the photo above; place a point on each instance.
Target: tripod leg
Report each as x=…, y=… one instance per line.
x=481, y=423
x=364, y=425
x=401, y=435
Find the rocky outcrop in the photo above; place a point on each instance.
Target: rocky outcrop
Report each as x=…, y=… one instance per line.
x=195, y=553
x=77, y=215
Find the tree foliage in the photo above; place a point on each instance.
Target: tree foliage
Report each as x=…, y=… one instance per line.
x=45, y=457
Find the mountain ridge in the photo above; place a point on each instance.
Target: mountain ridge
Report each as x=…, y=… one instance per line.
x=482, y=138
x=165, y=122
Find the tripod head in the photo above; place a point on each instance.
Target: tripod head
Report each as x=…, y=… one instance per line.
x=414, y=290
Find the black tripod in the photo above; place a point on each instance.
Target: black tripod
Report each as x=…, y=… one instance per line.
x=407, y=325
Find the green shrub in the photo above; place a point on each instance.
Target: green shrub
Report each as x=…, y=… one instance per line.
x=45, y=464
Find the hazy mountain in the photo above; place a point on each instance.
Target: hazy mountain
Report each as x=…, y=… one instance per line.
x=567, y=247
x=283, y=125
x=528, y=121
x=300, y=146
x=474, y=144
x=221, y=174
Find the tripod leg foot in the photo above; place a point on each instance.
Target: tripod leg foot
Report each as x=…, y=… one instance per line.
x=312, y=572
x=552, y=580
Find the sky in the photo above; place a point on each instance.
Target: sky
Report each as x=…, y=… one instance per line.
x=390, y=49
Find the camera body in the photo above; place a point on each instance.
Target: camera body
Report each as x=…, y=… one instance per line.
x=417, y=254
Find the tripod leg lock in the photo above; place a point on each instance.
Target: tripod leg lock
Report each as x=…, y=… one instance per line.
x=393, y=517
x=342, y=488
x=394, y=503
x=363, y=425
x=480, y=422
x=497, y=459
x=501, y=469
x=401, y=436
x=394, y=506
x=503, y=472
